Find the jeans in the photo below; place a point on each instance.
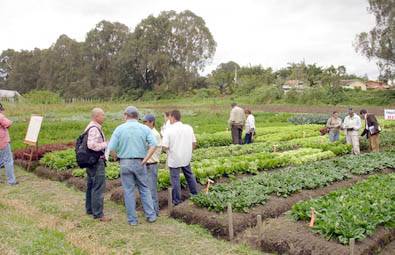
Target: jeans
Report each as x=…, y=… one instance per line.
x=237, y=130
x=334, y=136
x=152, y=171
x=175, y=182
x=132, y=174
x=96, y=185
x=6, y=160
x=248, y=138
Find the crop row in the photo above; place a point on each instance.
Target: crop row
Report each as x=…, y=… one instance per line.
x=353, y=212
x=249, y=192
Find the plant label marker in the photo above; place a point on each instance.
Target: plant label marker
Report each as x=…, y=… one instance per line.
x=230, y=221
x=209, y=181
x=259, y=225
x=312, y=218
x=352, y=246
x=169, y=199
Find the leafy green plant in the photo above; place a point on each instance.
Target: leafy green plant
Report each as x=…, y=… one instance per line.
x=249, y=192
x=353, y=212
x=60, y=160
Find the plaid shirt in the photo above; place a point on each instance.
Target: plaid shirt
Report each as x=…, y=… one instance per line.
x=95, y=139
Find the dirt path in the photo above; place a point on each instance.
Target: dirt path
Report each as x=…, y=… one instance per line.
x=38, y=210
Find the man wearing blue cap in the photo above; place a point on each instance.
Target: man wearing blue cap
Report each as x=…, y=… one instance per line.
x=152, y=163
x=129, y=141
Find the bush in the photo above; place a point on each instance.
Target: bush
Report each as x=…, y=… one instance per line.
x=43, y=97
x=266, y=94
x=311, y=118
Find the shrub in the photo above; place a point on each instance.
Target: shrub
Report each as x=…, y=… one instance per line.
x=43, y=97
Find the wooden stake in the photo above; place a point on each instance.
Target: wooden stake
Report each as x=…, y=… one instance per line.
x=170, y=199
x=352, y=246
x=312, y=217
x=230, y=221
x=259, y=226
x=209, y=181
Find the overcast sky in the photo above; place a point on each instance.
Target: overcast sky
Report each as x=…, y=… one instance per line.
x=267, y=32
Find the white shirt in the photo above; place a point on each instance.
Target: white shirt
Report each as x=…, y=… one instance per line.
x=179, y=138
x=250, y=123
x=354, y=122
x=156, y=156
x=164, y=127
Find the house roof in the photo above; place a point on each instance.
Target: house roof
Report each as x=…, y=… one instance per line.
x=9, y=93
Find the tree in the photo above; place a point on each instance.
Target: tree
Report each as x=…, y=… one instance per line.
x=102, y=45
x=164, y=48
x=379, y=43
x=224, y=76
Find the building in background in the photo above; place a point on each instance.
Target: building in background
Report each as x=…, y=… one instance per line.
x=9, y=95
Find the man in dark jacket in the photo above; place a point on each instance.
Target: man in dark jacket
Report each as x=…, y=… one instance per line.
x=372, y=130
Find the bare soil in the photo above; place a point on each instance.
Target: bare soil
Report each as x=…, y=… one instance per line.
x=285, y=236
x=389, y=249
x=51, y=174
x=80, y=183
x=217, y=223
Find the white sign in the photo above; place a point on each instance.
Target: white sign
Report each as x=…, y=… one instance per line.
x=389, y=114
x=34, y=129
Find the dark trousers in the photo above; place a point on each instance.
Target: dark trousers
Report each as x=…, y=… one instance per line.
x=248, y=138
x=236, y=134
x=96, y=185
x=175, y=182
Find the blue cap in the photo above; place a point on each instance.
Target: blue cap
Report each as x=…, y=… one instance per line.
x=130, y=110
x=149, y=117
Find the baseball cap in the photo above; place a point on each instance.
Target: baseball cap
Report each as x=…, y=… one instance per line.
x=130, y=110
x=149, y=117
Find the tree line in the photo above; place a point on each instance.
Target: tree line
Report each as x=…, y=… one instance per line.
x=163, y=56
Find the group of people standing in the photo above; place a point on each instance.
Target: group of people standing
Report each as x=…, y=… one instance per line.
x=351, y=125
x=138, y=147
x=240, y=119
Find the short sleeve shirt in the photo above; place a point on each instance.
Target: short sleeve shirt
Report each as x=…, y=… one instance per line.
x=179, y=139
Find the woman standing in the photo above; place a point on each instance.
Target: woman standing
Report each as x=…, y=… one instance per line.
x=6, y=158
x=333, y=124
x=249, y=126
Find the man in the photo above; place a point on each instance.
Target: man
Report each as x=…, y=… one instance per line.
x=152, y=163
x=166, y=123
x=96, y=177
x=352, y=123
x=179, y=141
x=6, y=157
x=372, y=130
x=236, y=123
x=129, y=141
x=334, y=124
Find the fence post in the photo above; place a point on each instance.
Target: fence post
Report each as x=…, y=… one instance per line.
x=169, y=199
x=352, y=246
x=259, y=226
x=230, y=221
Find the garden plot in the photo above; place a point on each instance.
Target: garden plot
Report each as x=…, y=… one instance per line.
x=360, y=218
x=271, y=194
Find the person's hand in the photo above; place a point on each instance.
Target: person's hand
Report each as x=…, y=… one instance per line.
x=144, y=161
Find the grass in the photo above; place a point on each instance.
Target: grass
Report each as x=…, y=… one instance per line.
x=44, y=217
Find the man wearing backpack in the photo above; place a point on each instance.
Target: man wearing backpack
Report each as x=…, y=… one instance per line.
x=96, y=177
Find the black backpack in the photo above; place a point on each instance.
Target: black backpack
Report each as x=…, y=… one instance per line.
x=85, y=156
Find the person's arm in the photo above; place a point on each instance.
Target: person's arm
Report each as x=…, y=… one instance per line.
x=231, y=117
x=95, y=140
x=328, y=123
x=151, y=141
x=4, y=122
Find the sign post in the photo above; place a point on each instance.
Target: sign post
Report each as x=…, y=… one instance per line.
x=31, y=138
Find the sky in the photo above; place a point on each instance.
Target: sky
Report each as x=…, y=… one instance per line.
x=271, y=33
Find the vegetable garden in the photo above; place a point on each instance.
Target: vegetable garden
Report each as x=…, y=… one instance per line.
x=288, y=170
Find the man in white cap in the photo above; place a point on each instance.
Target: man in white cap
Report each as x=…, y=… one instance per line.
x=129, y=141
x=153, y=162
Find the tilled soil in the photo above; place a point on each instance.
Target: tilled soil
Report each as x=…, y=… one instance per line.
x=81, y=184
x=118, y=196
x=217, y=223
x=285, y=236
x=51, y=174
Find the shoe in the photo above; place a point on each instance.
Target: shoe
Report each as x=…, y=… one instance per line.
x=133, y=224
x=104, y=219
x=89, y=213
x=13, y=184
x=151, y=220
